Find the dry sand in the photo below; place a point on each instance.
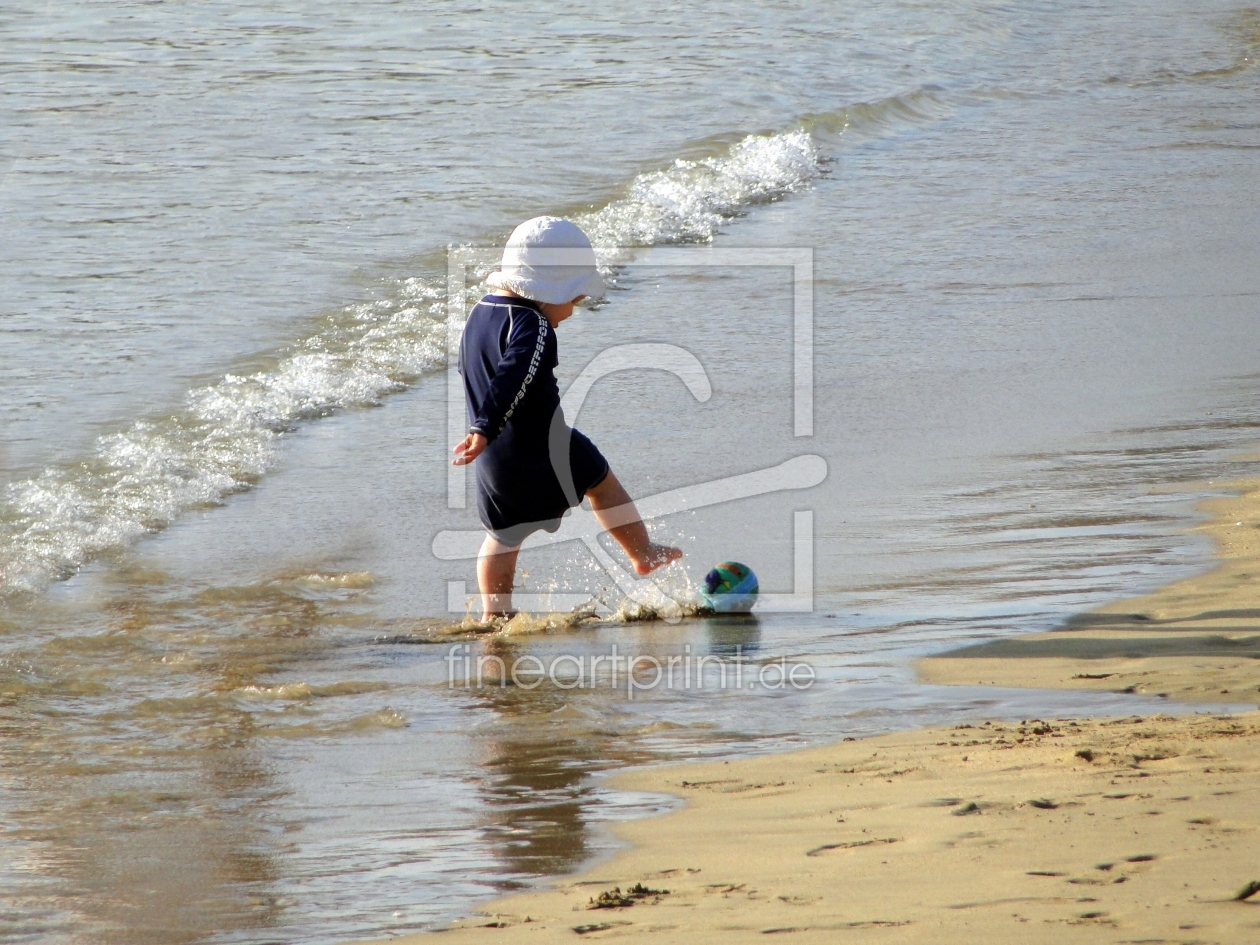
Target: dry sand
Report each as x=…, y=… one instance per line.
x=1139, y=830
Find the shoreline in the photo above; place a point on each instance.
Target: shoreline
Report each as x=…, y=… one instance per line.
x=1195, y=640
x=1089, y=829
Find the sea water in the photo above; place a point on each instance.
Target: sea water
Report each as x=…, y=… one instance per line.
x=231, y=683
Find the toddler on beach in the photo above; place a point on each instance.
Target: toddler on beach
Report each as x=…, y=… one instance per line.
x=533, y=467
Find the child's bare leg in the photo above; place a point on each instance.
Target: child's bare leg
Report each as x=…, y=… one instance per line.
x=496, y=567
x=616, y=512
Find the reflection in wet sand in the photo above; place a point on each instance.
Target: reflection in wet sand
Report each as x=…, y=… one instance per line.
x=538, y=757
x=733, y=635
x=545, y=743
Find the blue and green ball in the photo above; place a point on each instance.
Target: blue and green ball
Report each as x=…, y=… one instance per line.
x=730, y=588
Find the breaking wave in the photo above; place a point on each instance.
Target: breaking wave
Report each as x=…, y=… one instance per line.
x=226, y=435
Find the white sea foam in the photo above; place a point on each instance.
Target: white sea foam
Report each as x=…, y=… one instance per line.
x=222, y=441
x=691, y=200
x=225, y=436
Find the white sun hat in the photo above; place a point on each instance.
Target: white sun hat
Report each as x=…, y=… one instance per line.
x=550, y=260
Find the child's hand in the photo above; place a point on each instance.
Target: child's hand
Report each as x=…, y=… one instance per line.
x=469, y=449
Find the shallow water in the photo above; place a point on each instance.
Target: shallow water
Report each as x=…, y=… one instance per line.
x=224, y=411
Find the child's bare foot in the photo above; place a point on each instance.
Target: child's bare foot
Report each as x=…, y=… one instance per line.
x=657, y=556
x=496, y=619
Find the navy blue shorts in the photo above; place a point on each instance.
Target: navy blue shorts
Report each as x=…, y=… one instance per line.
x=518, y=492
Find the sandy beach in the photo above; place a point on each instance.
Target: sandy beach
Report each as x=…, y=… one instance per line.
x=1135, y=829
x=1109, y=830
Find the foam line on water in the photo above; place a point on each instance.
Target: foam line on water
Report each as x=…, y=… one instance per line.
x=689, y=201
x=221, y=441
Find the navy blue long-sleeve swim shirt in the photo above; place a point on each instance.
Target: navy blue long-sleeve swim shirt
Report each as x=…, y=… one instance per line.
x=508, y=357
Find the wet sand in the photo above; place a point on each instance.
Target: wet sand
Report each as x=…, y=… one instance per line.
x=1196, y=640
x=1107, y=830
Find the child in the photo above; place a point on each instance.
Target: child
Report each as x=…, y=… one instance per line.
x=507, y=357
